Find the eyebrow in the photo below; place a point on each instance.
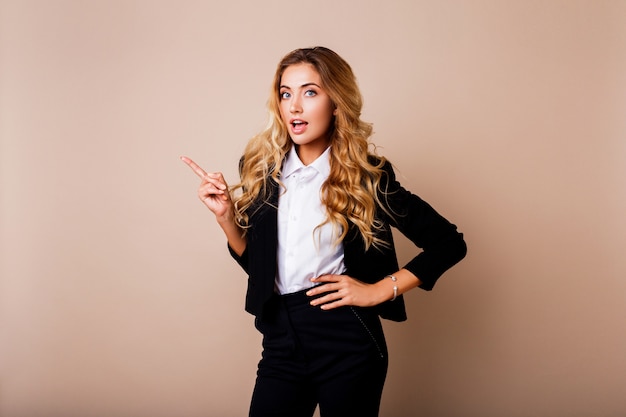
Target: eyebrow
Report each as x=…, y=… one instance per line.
x=302, y=86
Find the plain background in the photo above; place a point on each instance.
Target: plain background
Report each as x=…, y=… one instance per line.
x=117, y=295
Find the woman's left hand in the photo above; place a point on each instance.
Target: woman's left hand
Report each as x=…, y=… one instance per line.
x=345, y=291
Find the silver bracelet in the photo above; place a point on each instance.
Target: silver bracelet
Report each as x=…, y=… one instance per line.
x=395, y=287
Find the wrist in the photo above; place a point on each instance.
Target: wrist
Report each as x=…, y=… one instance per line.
x=394, y=286
x=385, y=290
x=226, y=219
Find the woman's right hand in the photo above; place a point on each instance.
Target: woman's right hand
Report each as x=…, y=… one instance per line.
x=213, y=191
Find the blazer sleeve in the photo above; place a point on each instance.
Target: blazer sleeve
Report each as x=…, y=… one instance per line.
x=242, y=259
x=442, y=245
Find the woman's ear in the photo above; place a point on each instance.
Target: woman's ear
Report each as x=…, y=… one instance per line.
x=335, y=112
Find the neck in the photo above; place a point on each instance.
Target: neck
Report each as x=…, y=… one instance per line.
x=308, y=154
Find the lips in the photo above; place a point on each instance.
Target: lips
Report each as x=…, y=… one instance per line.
x=298, y=126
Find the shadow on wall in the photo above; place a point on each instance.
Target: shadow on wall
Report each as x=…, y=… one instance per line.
x=437, y=357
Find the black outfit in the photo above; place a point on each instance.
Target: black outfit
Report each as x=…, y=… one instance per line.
x=337, y=358
x=280, y=322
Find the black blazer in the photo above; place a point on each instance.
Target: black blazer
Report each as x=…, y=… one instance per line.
x=442, y=246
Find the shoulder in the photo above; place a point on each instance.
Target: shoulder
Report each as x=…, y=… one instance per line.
x=379, y=162
x=382, y=165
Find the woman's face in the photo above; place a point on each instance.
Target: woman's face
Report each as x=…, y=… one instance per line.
x=306, y=110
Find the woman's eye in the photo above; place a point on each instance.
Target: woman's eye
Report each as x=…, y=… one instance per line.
x=310, y=93
x=285, y=95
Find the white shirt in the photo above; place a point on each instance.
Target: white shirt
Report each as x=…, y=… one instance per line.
x=303, y=252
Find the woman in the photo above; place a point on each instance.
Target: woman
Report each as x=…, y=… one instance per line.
x=310, y=222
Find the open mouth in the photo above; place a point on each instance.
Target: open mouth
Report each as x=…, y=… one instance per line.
x=298, y=126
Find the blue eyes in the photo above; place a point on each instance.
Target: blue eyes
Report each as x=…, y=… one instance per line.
x=285, y=95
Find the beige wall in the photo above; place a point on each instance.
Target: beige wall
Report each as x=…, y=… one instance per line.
x=117, y=296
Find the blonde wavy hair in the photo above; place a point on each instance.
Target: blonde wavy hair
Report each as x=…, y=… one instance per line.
x=350, y=192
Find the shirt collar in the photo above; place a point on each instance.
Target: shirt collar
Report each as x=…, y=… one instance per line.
x=293, y=163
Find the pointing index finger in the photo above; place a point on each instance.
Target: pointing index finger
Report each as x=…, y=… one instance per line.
x=195, y=167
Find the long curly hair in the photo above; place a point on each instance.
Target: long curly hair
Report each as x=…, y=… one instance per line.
x=350, y=194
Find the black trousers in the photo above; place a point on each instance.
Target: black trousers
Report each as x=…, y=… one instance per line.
x=336, y=359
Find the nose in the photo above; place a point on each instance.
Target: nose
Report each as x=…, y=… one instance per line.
x=295, y=105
